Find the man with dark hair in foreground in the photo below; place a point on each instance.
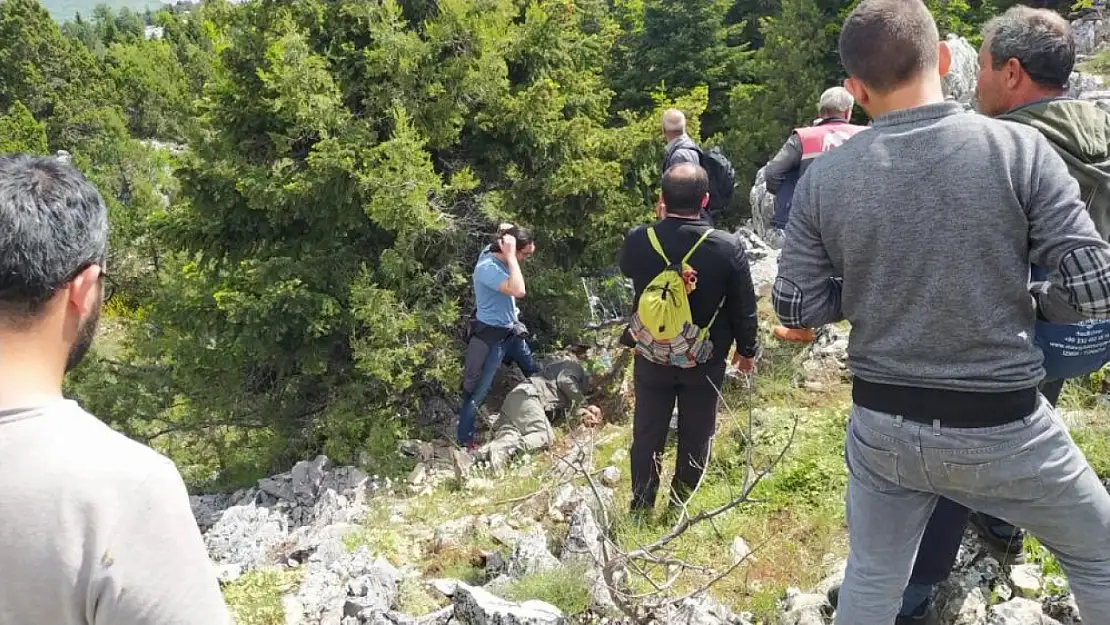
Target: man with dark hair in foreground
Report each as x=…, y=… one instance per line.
x=724, y=286
x=1024, y=65
x=921, y=232
x=95, y=529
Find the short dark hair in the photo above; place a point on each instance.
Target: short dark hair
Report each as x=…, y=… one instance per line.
x=1040, y=39
x=886, y=43
x=53, y=224
x=684, y=186
x=523, y=238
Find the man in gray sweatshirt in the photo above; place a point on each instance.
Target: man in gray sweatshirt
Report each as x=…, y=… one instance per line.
x=95, y=529
x=921, y=233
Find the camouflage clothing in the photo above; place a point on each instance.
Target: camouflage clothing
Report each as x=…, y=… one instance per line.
x=523, y=424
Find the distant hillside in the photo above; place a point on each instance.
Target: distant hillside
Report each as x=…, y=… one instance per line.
x=64, y=10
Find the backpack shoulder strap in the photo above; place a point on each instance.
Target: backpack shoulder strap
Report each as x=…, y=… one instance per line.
x=658, y=246
x=695, y=247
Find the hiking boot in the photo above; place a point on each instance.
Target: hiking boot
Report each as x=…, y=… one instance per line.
x=925, y=615
x=1005, y=542
x=794, y=335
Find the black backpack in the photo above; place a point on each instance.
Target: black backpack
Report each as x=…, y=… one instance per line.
x=722, y=179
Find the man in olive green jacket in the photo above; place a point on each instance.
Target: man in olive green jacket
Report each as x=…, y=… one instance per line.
x=523, y=424
x=1080, y=132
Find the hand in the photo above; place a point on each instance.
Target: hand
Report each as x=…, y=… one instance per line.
x=508, y=245
x=590, y=415
x=743, y=364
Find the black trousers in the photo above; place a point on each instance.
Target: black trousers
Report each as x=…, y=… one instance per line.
x=941, y=542
x=658, y=388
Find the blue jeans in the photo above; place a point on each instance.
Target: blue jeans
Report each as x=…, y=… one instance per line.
x=508, y=350
x=1028, y=472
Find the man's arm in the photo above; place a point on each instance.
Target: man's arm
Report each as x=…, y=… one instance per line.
x=507, y=283
x=788, y=158
x=1063, y=240
x=807, y=289
x=156, y=570
x=741, y=304
x=514, y=285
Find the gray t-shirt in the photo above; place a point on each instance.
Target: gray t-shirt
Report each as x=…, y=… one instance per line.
x=96, y=529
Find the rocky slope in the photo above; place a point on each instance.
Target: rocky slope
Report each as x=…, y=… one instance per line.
x=314, y=520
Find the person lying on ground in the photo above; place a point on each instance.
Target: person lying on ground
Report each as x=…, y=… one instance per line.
x=95, y=529
x=496, y=334
x=524, y=424
x=920, y=232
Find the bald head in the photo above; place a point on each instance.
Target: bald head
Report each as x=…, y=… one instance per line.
x=685, y=189
x=886, y=44
x=674, y=122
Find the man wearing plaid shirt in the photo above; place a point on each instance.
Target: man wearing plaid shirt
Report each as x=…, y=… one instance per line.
x=921, y=232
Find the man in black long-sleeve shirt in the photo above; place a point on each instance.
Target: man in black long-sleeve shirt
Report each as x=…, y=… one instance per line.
x=723, y=280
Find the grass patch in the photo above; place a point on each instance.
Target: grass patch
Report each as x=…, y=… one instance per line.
x=1099, y=64
x=564, y=588
x=255, y=598
x=796, y=517
x=414, y=599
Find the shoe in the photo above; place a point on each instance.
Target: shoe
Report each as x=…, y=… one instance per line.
x=926, y=615
x=1007, y=546
x=794, y=335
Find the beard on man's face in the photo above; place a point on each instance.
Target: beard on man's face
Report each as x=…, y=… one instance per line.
x=84, y=339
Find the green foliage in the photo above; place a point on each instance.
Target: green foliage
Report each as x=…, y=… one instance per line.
x=256, y=598
x=151, y=86
x=19, y=132
x=1099, y=64
x=38, y=65
x=565, y=588
x=296, y=280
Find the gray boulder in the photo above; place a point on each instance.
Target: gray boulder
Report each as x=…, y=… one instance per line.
x=1091, y=33
x=474, y=606
x=1018, y=612
x=246, y=536
x=531, y=556
x=345, y=584
x=959, y=83
x=804, y=609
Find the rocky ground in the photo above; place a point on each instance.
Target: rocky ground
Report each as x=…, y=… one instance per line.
x=456, y=544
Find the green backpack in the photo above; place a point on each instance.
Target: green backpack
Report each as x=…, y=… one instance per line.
x=662, y=326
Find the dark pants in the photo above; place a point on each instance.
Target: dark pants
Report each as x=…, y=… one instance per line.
x=941, y=542
x=658, y=387
x=483, y=357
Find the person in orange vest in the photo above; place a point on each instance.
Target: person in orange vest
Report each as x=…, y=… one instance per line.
x=830, y=130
